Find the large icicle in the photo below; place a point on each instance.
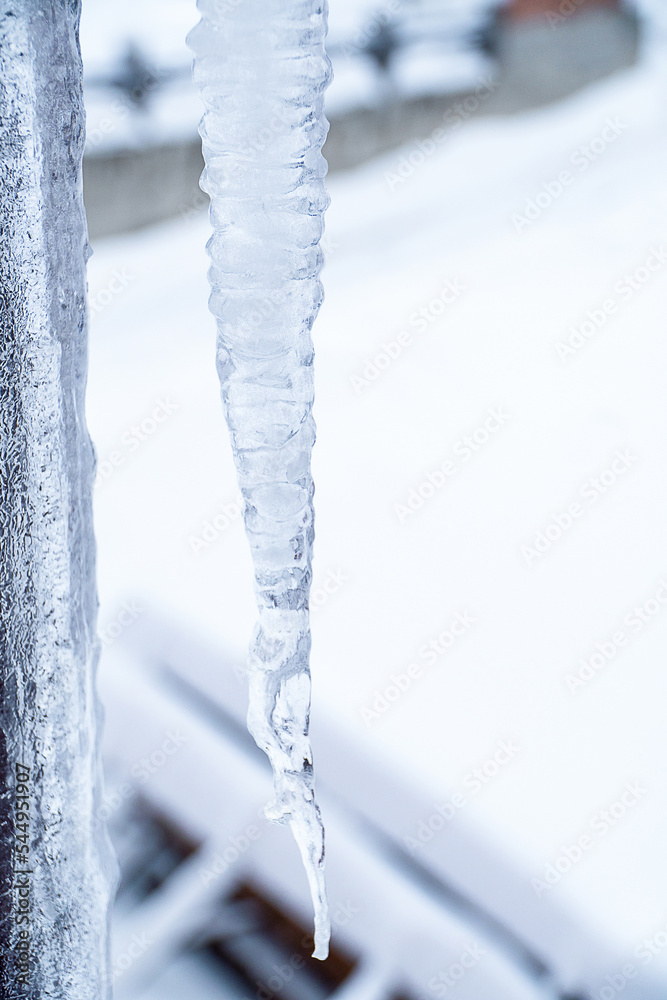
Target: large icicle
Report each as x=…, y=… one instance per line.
x=56, y=871
x=262, y=71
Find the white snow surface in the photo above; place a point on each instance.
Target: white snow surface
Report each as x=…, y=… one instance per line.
x=396, y=586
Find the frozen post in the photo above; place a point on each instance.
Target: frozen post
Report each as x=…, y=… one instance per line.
x=262, y=71
x=55, y=868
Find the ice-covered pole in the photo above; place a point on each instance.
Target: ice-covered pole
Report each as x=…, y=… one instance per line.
x=55, y=868
x=262, y=71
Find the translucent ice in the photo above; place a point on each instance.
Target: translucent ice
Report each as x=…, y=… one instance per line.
x=262, y=71
x=56, y=872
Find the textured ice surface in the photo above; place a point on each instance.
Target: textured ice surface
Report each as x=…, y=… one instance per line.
x=262, y=71
x=55, y=867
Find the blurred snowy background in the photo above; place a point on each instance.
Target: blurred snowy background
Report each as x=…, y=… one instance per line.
x=490, y=598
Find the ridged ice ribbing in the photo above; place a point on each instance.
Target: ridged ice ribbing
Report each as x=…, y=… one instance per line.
x=262, y=70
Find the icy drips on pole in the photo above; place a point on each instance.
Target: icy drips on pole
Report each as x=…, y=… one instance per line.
x=56, y=872
x=262, y=71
